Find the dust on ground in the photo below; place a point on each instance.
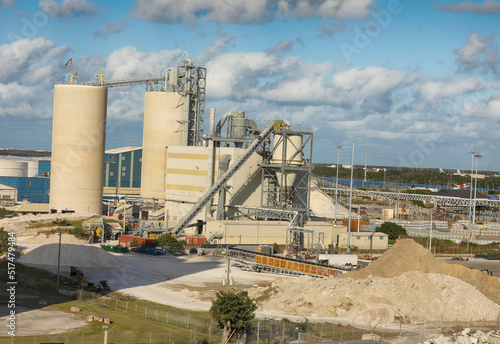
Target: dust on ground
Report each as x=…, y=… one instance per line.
x=34, y=322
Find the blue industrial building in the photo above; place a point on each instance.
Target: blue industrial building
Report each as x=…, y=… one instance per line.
x=122, y=169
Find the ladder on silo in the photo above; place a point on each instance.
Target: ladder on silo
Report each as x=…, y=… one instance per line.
x=221, y=182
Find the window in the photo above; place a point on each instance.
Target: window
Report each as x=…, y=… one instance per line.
x=29, y=183
x=381, y=238
x=358, y=237
x=123, y=157
x=140, y=159
x=123, y=174
x=124, y=168
x=111, y=174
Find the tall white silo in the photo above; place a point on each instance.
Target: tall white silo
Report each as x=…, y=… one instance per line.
x=78, y=138
x=163, y=123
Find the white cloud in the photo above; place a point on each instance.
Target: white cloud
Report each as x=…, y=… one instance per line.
x=69, y=8
x=479, y=54
x=7, y=4
x=215, y=49
x=129, y=62
x=110, y=28
x=244, y=11
x=324, y=8
x=432, y=90
x=25, y=101
x=37, y=60
x=486, y=7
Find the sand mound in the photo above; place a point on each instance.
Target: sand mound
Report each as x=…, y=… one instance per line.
x=71, y=255
x=406, y=255
x=406, y=281
x=412, y=295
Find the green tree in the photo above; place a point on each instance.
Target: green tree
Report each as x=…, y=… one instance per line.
x=167, y=240
x=4, y=241
x=393, y=230
x=233, y=311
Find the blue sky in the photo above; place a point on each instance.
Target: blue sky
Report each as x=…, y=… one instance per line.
x=417, y=82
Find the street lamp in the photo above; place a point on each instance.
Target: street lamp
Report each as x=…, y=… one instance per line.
x=337, y=181
x=350, y=201
x=384, y=178
x=477, y=156
x=472, y=152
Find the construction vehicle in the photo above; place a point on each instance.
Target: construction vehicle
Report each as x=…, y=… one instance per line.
x=75, y=272
x=102, y=287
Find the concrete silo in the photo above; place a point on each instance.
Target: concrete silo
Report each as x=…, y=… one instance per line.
x=163, y=126
x=78, y=137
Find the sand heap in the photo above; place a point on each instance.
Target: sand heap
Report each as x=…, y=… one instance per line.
x=406, y=255
x=71, y=255
x=396, y=285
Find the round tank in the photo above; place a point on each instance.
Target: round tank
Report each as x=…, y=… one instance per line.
x=163, y=119
x=284, y=153
x=78, y=138
x=13, y=168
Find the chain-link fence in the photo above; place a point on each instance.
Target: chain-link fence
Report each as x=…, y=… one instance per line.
x=124, y=338
x=152, y=313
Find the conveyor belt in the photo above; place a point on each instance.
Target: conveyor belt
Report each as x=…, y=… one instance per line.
x=280, y=265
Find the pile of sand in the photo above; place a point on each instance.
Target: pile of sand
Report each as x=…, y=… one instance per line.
x=407, y=281
x=50, y=239
x=71, y=255
x=406, y=255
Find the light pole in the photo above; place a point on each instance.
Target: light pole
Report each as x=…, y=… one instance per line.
x=384, y=177
x=337, y=181
x=477, y=156
x=350, y=201
x=472, y=152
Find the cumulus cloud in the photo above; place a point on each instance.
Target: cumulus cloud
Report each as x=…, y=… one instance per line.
x=486, y=7
x=479, y=54
x=69, y=8
x=243, y=11
x=110, y=28
x=37, y=60
x=7, y=4
x=216, y=48
x=130, y=62
x=324, y=8
x=329, y=30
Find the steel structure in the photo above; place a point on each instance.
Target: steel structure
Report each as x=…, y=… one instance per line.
x=440, y=200
x=276, y=173
x=221, y=182
x=192, y=84
x=293, y=217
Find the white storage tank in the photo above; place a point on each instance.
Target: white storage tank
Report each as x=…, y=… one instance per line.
x=13, y=168
x=163, y=117
x=78, y=138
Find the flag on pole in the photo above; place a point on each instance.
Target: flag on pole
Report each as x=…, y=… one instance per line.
x=70, y=61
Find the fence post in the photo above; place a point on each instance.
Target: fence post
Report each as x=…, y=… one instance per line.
x=258, y=332
x=126, y=307
x=116, y=304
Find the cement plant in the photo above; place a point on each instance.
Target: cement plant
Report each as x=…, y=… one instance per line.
x=142, y=234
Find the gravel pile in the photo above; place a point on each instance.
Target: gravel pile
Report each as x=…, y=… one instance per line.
x=71, y=255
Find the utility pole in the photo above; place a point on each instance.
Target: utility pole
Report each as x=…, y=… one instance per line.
x=350, y=201
x=366, y=159
x=472, y=152
x=477, y=156
x=337, y=181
